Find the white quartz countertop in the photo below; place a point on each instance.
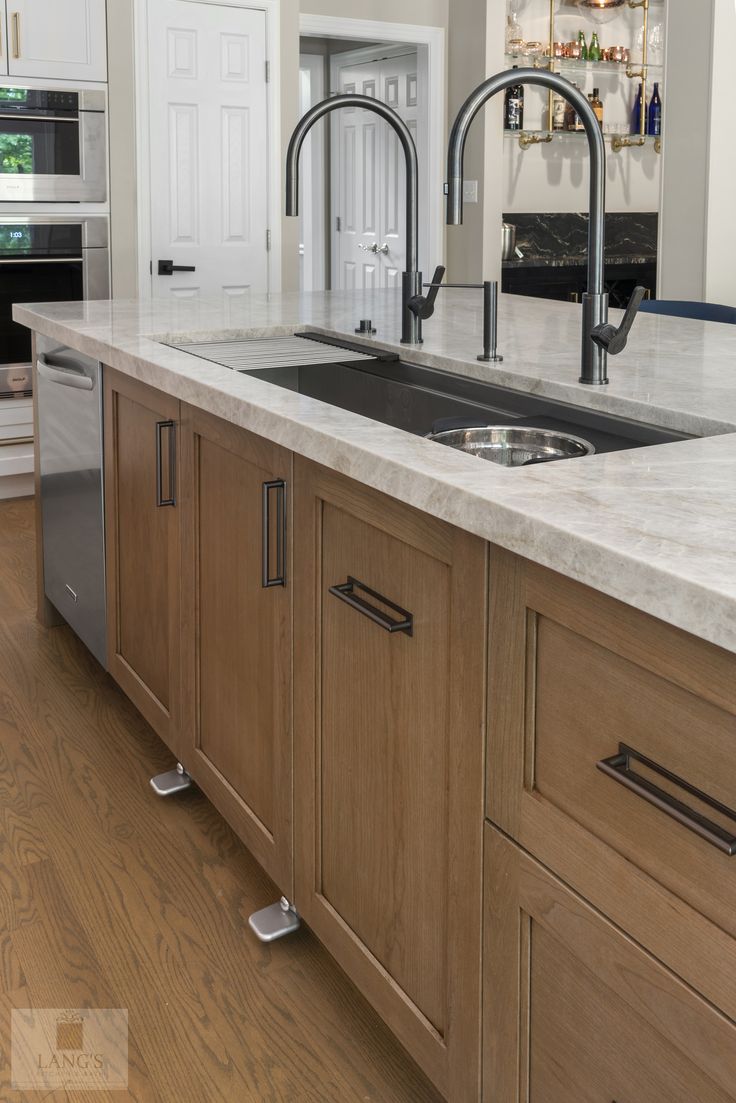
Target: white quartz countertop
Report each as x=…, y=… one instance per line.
x=654, y=527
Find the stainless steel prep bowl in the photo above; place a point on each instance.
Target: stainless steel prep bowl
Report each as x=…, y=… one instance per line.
x=514, y=445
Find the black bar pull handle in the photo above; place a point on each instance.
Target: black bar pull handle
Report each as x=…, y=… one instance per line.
x=170, y=498
x=346, y=592
x=167, y=268
x=619, y=768
x=277, y=487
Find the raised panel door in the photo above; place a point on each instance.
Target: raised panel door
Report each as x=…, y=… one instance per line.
x=208, y=143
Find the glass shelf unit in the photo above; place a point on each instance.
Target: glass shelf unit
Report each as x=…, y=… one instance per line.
x=618, y=142
x=575, y=66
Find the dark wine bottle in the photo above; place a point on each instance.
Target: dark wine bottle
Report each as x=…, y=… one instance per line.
x=514, y=107
x=654, y=116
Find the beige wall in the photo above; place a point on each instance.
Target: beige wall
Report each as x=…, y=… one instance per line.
x=475, y=50
x=430, y=13
x=697, y=228
x=123, y=209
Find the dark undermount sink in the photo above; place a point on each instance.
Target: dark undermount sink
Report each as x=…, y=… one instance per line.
x=421, y=400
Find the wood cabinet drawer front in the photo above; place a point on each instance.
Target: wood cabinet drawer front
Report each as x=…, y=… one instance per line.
x=390, y=724
x=577, y=679
x=237, y=650
x=574, y=1010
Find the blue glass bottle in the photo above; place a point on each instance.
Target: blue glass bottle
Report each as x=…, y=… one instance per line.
x=639, y=103
x=654, y=116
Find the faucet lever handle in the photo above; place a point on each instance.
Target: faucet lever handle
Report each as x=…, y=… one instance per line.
x=423, y=305
x=613, y=338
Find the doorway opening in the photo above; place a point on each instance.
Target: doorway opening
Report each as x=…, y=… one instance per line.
x=353, y=220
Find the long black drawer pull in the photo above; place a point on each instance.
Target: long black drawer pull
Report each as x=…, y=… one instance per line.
x=170, y=499
x=277, y=486
x=619, y=768
x=346, y=592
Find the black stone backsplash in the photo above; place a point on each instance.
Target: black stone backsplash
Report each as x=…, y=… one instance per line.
x=562, y=239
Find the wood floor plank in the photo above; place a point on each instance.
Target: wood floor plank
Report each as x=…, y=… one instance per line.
x=148, y=900
x=62, y=970
x=11, y=973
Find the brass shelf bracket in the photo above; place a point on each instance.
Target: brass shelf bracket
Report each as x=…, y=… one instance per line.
x=527, y=140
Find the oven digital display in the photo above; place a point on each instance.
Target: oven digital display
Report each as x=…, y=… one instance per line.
x=15, y=239
x=42, y=240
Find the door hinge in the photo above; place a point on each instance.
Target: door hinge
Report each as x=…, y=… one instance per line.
x=338, y=224
x=268, y=72
x=268, y=241
x=150, y=267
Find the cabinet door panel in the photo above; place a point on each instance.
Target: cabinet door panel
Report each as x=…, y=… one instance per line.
x=575, y=1010
x=3, y=41
x=612, y=733
x=384, y=731
x=238, y=683
x=142, y=551
x=58, y=39
x=388, y=760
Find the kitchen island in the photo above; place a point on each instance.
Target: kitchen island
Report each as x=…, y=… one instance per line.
x=510, y=810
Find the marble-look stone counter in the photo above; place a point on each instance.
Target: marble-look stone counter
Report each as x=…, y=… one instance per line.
x=654, y=527
x=561, y=240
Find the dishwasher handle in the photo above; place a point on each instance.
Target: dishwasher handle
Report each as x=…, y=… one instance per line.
x=66, y=377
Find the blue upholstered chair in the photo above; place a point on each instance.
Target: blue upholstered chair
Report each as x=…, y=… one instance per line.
x=704, y=312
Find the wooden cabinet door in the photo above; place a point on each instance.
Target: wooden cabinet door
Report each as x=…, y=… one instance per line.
x=237, y=617
x=610, y=758
x=61, y=39
x=574, y=1010
x=142, y=509
x=389, y=680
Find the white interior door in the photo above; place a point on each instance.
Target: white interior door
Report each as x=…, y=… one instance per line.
x=368, y=173
x=209, y=149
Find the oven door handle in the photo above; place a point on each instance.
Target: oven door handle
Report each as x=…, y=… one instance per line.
x=65, y=377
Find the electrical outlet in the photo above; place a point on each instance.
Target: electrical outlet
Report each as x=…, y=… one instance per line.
x=470, y=191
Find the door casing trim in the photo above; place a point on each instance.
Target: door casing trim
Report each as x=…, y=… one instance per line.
x=431, y=47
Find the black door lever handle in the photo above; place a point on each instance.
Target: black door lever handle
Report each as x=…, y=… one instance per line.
x=167, y=268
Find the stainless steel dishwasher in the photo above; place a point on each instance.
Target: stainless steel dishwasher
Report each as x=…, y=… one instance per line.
x=69, y=395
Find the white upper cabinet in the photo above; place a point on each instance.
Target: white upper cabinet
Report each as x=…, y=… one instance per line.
x=3, y=41
x=58, y=39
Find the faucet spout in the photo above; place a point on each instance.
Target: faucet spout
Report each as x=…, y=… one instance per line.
x=411, y=325
x=594, y=368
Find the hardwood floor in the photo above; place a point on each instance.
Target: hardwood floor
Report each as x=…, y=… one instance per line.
x=111, y=897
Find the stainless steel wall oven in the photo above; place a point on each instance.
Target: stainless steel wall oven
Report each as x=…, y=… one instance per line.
x=45, y=259
x=53, y=145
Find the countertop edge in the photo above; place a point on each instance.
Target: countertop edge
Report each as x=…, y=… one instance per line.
x=512, y=529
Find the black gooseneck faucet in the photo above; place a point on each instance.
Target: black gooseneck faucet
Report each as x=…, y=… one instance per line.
x=411, y=323
x=599, y=336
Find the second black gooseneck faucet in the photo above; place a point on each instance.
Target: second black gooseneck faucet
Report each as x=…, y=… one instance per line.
x=599, y=337
x=411, y=324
